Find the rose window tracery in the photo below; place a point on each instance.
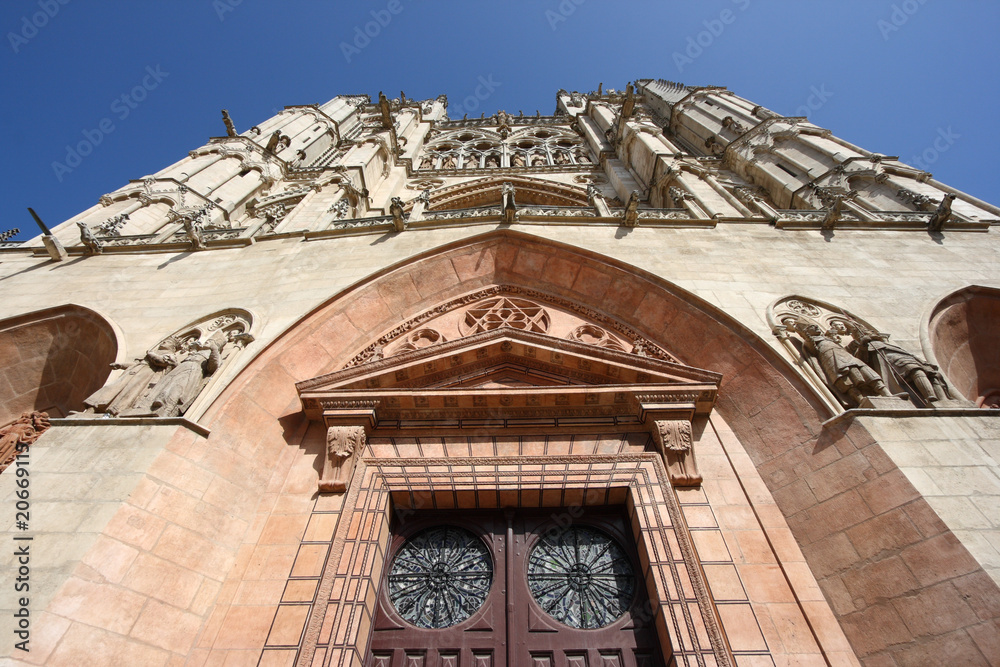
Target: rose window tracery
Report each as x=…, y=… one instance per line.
x=440, y=577
x=581, y=577
x=503, y=312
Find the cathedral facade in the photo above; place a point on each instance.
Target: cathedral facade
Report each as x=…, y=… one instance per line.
x=664, y=378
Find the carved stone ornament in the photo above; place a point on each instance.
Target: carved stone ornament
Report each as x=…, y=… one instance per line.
x=853, y=359
x=505, y=312
x=419, y=339
x=170, y=376
x=673, y=439
x=17, y=436
x=343, y=446
x=591, y=334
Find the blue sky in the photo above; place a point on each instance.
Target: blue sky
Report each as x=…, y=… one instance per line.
x=894, y=76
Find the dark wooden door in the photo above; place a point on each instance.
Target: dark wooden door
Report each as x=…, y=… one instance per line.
x=534, y=588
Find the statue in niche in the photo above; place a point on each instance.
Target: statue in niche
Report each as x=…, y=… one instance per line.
x=167, y=379
x=182, y=384
x=517, y=159
x=922, y=376
x=844, y=373
x=127, y=391
x=343, y=444
x=448, y=162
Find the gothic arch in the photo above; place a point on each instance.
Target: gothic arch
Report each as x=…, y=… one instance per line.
x=961, y=336
x=693, y=330
x=486, y=191
x=53, y=359
x=774, y=413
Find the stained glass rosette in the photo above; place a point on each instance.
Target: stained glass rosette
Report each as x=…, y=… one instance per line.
x=440, y=577
x=581, y=577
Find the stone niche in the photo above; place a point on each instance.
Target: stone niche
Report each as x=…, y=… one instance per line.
x=963, y=332
x=52, y=360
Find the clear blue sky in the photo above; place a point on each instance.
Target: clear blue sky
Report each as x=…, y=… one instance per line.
x=893, y=75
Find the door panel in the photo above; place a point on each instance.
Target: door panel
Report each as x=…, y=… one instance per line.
x=581, y=567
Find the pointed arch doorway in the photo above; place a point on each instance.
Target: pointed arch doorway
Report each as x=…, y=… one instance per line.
x=559, y=573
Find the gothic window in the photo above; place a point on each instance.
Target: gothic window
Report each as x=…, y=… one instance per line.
x=530, y=147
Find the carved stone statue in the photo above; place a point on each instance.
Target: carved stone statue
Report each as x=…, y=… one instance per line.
x=24, y=431
x=230, y=128
x=343, y=446
x=834, y=213
x=844, y=373
x=673, y=438
x=396, y=209
x=384, y=110
x=924, y=377
x=631, y=216
x=942, y=214
x=89, y=240
x=507, y=203
x=127, y=391
x=178, y=388
x=193, y=233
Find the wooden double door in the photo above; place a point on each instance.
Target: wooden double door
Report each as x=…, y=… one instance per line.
x=553, y=587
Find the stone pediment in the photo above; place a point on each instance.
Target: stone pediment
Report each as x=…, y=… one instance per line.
x=511, y=374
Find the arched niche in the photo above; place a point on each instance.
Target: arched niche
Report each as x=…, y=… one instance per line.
x=963, y=332
x=53, y=359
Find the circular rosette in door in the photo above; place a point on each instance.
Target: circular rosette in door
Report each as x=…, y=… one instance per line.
x=440, y=577
x=581, y=577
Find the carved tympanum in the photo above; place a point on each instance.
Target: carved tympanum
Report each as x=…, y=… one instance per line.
x=171, y=375
x=673, y=439
x=343, y=446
